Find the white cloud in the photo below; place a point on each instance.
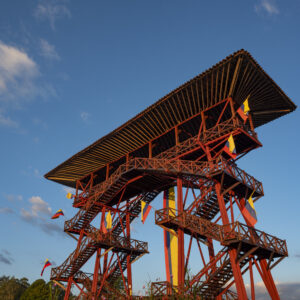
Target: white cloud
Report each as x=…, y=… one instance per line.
x=84, y=116
x=48, y=50
x=17, y=74
x=51, y=11
x=20, y=82
x=35, y=216
x=286, y=290
x=27, y=216
x=39, y=206
x=268, y=6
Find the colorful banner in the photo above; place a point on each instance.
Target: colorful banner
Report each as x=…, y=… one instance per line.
x=171, y=241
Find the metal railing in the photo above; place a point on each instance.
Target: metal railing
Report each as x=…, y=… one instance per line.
x=89, y=244
x=226, y=234
x=241, y=232
x=195, y=224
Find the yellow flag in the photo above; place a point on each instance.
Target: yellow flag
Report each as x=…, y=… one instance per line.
x=246, y=105
x=108, y=220
x=69, y=195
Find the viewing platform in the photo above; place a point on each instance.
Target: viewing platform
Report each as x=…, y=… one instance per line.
x=96, y=239
x=236, y=235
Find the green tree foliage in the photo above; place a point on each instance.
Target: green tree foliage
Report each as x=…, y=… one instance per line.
x=12, y=288
x=38, y=290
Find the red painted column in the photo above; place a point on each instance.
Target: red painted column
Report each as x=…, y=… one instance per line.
x=129, y=274
x=96, y=272
x=181, y=259
x=269, y=280
x=251, y=280
x=238, y=278
x=68, y=290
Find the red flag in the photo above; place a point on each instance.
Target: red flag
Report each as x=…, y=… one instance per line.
x=47, y=264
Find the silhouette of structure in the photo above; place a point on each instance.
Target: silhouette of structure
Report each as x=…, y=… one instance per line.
x=178, y=141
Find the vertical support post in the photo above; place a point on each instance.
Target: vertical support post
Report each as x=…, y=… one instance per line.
x=107, y=171
x=251, y=280
x=68, y=290
x=203, y=120
x=176, y=135
x=127, y=160
x=251, y=122
x=106, y=255
x=96, y=273
x=232, y=108
x=269, y=281
x=79, y=241
x=181, y=270
x=211, y=250
x=150, y=149
x=239, y=282
x=129, y=274
x=231, y=209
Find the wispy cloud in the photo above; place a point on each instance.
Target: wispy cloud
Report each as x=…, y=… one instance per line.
x=51, y=228
x=286, y=290
x=48, y=51
x=39, y=206
x=51, y=11
x=5, y=257
x=6, y=121
x=6, y=210
x=5, y=251
x=85, y=116
x=31, y=171
x=40, y=123
x=267, y=6
x=39, y=215
x=13, y=198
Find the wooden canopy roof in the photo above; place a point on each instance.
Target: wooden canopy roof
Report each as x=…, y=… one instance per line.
x=236, y=76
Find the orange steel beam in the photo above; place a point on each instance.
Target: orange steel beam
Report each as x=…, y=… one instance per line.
x=239, y=282
x=68, y=290
x=251, y=280
x=129, y=271
x=181, y=270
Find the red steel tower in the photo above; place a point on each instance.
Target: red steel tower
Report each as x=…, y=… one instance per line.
x=177, y=142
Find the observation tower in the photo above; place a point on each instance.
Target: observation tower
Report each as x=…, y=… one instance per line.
x=177, y=146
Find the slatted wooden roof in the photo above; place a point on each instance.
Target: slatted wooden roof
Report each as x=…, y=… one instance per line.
x=236, y=76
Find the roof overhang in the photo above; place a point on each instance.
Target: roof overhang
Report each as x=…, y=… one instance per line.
x=236, y=76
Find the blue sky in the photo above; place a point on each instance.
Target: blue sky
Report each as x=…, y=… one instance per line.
x=72, y=71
